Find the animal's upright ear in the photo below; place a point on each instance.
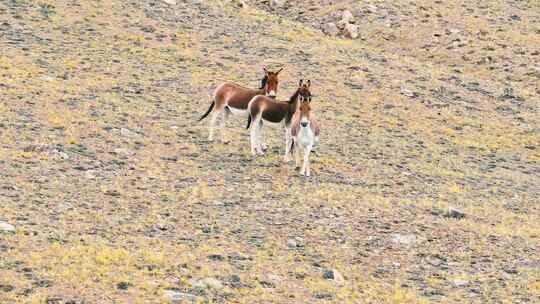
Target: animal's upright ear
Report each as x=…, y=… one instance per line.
x=300, y=83
x=265, y=71
x=308, y=83
x=279, y=71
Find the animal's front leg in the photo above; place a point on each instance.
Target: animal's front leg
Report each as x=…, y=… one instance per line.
x=303, y=169
x=305, y=166
x=297, y=154
x=212, y=124
x=288, y=142
x=306, y=160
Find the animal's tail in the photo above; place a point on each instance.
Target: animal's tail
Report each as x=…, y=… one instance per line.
x=249, y=121
x=209, y=110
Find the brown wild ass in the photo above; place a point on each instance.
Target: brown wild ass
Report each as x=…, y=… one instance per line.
x=266, y=110
x=232, y=98
x=305, y=133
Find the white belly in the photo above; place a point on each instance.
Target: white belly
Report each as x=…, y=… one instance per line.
x=238, y=112
x=272, y=124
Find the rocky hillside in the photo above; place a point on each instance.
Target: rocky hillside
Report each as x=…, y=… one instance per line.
x=424, y=187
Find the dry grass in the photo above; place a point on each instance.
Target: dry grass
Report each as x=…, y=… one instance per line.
x=110, y=183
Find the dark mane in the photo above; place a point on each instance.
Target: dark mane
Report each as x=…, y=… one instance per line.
x=294, y=97
x=263, y=82
x=292, y=106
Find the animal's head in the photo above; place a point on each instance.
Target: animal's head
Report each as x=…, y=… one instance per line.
x=270, y=82
x=305, y=111
x=304, y=93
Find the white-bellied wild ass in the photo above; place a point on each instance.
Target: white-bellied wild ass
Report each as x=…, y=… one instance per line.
x=266, y=110
x=304, y=132
x=232, y=98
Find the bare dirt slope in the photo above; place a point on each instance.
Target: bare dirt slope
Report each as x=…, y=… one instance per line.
x=117, y=197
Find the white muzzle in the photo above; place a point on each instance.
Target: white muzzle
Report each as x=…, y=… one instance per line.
x=304, y=122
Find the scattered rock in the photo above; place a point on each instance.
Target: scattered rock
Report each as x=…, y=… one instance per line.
x=89, y=174
x=351, y=31
x=82, y=167
x=277, y=3
x=179, y=297
x=235, y=281
x=6, y=288
x=63, y=155
x=404, y=239
x=38, y=148
x=127, y=133
x=460, y=283
x=5, y=227
x=332, y=274
x=455, y=213
x=509, y=95
x=238, y=257
x=335, y=15
x=295, y=243
x=371, y=8
x=291, y=243
x=435, y=261
x=347, y=17
x=433, y=293
x=170, y=2
x=236, y=3
x=124, y=152
x=123, y=285
x=270, y=280
x=354, y=85
x=330, y=29
x=53, y=300
x=216, y=257
x=409, y=93
x=323, y=296
x=211, y=283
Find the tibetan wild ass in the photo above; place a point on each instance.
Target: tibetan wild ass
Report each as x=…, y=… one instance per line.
x=264, y=110
x=304, y=132
x=232, y=98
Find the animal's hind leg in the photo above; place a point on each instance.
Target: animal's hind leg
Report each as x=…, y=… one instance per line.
x=212, y=124
x=224, y=116
x=259, y=127
x=253, y=136
x=303, y=169
x=261, y=140
x=315, y=145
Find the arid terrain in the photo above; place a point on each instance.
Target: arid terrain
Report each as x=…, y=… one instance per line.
x=424, y=188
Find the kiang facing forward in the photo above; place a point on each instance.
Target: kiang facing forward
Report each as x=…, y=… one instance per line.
x=305, y=133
